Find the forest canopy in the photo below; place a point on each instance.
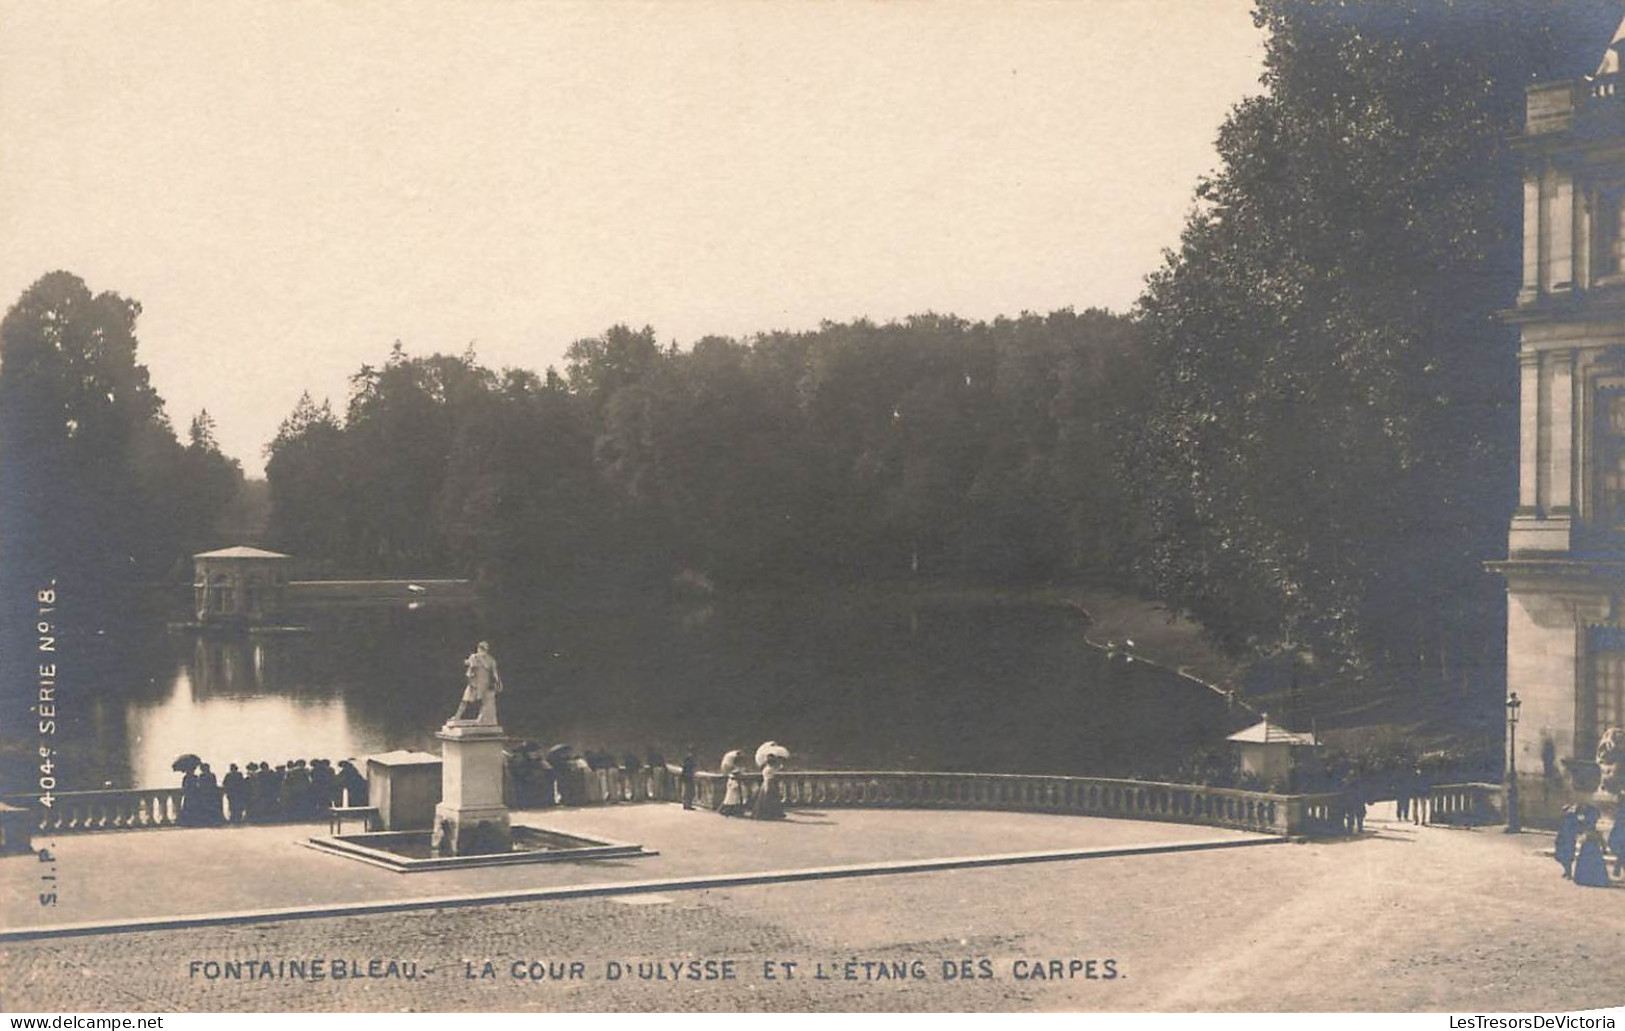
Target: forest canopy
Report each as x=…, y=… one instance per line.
x=1304, y=434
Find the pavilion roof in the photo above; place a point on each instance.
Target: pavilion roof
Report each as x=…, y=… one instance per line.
x=1266, y=733
x=241, y=551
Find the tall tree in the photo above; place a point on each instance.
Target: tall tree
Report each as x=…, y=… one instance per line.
x=87, y=448
x=312, y=498
x=1330, y=454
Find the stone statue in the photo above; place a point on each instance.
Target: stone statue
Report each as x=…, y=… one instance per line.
x=482, y=688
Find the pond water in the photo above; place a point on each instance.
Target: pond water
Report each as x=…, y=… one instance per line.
x=845, y=680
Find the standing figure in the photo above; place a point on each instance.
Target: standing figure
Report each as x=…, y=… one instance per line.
x=211, y=813
x=1616, y=837
x=1589, y=867
x=482, y=687
x=1568, y=839
x=1424, y=794
x=191, y=814
x=236, y=788
x=296, y=792
x=770, y=804
x=323, y=784
x=267, y=805
x=733, y=796
x=688, y=779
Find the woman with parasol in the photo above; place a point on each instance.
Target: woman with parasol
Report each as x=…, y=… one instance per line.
x=733, y=799
x=191, y=804
x=770, y=803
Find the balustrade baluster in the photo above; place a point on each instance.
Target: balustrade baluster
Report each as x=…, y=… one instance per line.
x=110, y=810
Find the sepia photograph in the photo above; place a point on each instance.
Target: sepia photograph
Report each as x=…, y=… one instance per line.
x=1108, y=506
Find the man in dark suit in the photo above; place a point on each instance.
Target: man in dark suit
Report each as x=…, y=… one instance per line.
x=236, y=788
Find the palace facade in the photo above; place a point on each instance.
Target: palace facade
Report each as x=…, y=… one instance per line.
x=1565, y=566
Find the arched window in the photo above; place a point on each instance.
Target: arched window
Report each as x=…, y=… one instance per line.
x=220, y=593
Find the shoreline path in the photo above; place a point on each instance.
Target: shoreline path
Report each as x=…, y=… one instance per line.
x=1404, y=918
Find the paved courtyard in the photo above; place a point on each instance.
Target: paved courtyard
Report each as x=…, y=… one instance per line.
x=171, y=872
x=1404, y=918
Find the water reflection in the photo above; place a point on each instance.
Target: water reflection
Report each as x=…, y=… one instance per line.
x=846, y=680
x=229, y=705
x=226, y=727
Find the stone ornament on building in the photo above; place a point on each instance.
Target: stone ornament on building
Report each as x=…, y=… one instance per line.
x=1611, y=760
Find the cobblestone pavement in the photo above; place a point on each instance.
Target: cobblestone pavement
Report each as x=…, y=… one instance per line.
x=104, y=876
x=1402, y=919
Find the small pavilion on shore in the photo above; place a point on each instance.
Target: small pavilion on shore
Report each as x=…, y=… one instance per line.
x=1272, y=753
x=239, y=585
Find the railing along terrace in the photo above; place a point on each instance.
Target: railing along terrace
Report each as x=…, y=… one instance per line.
x=1473, y=804
x=1081, y=796
x=111, y=809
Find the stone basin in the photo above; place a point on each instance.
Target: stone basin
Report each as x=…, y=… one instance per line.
x=412, y=851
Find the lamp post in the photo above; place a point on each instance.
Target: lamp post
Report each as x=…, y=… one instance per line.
x=1512, y=763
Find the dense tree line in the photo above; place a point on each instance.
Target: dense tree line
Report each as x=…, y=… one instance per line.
x=98, y=489
x=1305, y=436
x=932, y=447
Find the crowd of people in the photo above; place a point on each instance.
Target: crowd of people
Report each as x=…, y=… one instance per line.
x=561, y=776
x=539, y=777
x=1581, y=846
x=297, y=790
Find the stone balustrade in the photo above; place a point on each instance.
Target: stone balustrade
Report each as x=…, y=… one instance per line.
x=1312, y=815
x=120, y=809
x=1474, y=804
x=1078, y=796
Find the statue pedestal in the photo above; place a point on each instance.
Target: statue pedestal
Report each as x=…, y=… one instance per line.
x=471, y=818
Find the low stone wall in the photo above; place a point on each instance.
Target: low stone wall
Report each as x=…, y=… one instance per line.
x=1314, y=815
x=1288, y=815
x=1472, y=804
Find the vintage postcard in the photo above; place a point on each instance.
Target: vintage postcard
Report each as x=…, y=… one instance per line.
x=1095, y=507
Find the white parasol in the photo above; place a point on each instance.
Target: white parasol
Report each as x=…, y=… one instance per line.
x=771, y=748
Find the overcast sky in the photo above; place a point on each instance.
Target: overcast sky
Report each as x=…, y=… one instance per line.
x=288, y=188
